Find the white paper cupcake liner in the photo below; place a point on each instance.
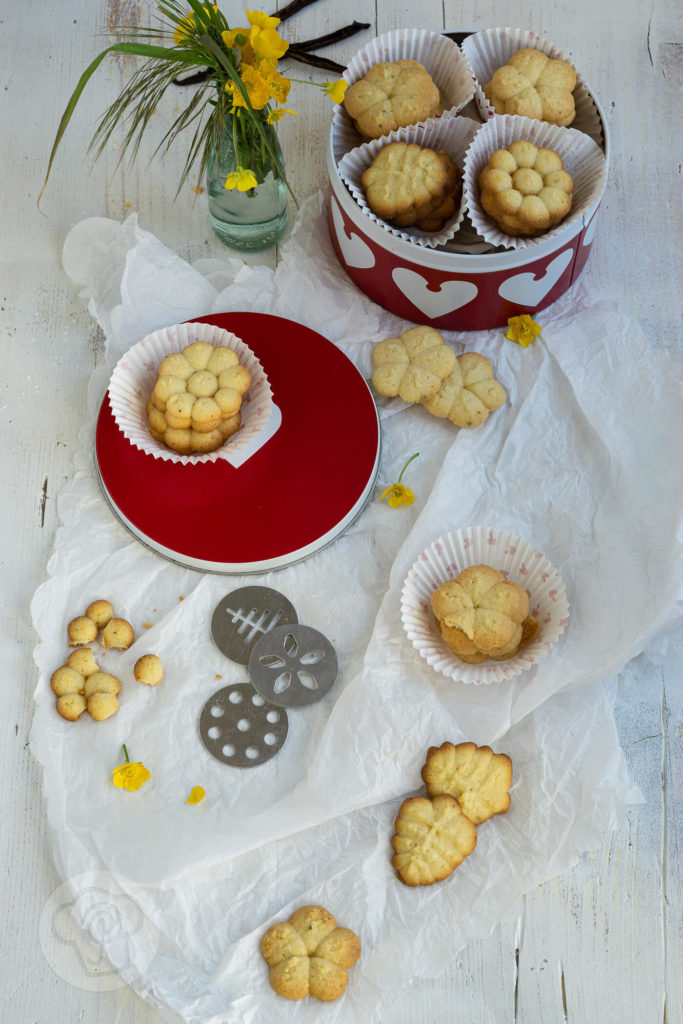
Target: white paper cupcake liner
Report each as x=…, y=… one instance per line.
x=443, y=59
x=452, y=135
x=491, y=49
x=520, y=561
x=581, y=156
x=135, y=375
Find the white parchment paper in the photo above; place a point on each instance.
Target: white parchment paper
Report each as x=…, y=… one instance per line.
x=572, y=462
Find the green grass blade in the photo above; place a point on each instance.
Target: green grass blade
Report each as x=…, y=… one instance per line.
x=137, y=50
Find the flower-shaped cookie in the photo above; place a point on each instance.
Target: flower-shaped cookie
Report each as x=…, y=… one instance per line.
x=411, y=185
x=413, y=365
x=480, y=614
x=469, y=393
x=196, y=401
x=533, y=85
x=477, y=778
x=79, y=685
x=310, y=955
x=525, y=189
x=391, y=95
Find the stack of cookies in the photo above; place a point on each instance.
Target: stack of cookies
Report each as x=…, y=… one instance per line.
x=196, y=400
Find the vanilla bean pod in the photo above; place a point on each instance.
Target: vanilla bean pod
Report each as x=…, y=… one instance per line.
x=315, y=62
x=327, y=40
x=291, y=9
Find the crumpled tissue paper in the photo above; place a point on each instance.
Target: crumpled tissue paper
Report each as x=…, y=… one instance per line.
x=566, y=463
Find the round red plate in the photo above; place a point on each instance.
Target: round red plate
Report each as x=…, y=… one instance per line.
x=294, y=495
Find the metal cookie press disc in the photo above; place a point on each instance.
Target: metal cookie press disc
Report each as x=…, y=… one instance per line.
x=240, y=728
x=293, y=666
x=244, y=616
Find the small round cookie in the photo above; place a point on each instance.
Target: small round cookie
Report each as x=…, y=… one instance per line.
x=83, y=661
x=198, y=354
x=118, y=633
x=149, y=670
x=102, y=706
x=100, y=612
x=101, y=682
x=66, y=680
x=81, y=630
x=71, y=706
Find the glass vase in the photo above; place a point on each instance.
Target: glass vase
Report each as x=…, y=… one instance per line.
x=253, y=219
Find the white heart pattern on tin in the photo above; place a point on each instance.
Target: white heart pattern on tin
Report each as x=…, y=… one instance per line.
x=450, y=296
x=354, y=250
x=525, y=290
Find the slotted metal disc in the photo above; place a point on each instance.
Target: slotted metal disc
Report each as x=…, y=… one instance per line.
x=244, y=616
x=293, y=666
x=240, y=728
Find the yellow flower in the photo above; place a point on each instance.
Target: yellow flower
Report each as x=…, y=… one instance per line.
x=197, y=795
x=130, y=775
x=336, y=90
x=238, y=38
x=397, y=495
x=523, y=329
x=267, y=44
x=277, y=115
x=241, y=179
x=257, y=88
x=279, y=85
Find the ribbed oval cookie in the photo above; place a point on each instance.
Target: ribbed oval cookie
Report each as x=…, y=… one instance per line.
x=476, y=777
x=405, y=177
x=432, y=838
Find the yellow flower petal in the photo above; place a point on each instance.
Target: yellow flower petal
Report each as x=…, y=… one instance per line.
x=267, y=44
x=261, y=20
x=197, y=795
x=241, y=179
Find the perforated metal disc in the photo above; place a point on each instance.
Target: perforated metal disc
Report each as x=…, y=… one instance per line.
x=240, y=728
x=293, y=666
x=244, y=616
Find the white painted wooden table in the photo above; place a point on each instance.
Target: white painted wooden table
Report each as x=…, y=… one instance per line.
x=602, y=943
